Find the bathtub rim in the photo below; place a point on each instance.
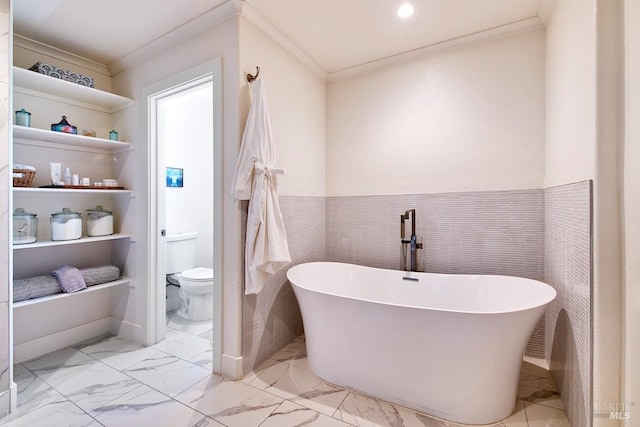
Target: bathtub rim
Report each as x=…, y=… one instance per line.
x=552, y=296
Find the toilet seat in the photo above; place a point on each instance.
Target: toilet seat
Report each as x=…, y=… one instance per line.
x=198, y=274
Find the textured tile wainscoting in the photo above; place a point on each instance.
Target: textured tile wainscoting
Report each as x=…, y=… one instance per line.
x=568, y=269
x=272, y=319
x=493, y=232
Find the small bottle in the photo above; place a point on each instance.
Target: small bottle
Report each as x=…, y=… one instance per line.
x=76, y=179
x=113, y=135
x=67, y=176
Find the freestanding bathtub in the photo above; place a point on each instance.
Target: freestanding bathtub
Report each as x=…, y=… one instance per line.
x=444, y=344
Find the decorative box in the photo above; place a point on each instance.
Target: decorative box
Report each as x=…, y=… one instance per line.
x=61, y=73
x=64, y=126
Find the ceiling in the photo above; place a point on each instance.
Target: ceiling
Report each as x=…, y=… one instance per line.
x=336, y=34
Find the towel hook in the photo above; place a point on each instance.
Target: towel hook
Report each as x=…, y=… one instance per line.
x=251, y=78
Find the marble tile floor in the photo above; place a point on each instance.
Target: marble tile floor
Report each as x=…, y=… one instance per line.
x=113, y=382
x=202, y=333
x=199, y=329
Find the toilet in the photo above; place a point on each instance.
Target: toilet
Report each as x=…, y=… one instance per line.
x=196, y=283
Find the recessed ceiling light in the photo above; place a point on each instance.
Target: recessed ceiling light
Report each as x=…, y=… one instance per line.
x=406, y=10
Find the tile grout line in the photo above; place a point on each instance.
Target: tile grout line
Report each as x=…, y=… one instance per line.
x=340, y=404
x=44, y=404
x=69, y=400
x=74, y=404
x=140, y=383
x=100, y=362
x=526, y=416
x=289, y=400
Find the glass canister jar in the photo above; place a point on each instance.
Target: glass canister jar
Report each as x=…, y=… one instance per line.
x=99, y=222
x=25, y=227
x=66, y=225
x=23, y=118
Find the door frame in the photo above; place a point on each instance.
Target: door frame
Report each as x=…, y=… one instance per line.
x=156, y=303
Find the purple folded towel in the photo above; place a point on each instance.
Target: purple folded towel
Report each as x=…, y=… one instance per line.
x=70, y=279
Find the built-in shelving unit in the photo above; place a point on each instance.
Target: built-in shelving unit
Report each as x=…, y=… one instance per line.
x=37, y=334
x=94, y=288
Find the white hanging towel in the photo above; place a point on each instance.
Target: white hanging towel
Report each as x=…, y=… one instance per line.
x=266, y=249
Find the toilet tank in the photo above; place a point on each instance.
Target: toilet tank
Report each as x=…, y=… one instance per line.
x=180, y=251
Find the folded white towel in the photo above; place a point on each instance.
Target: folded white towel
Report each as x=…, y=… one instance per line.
x=25, y=167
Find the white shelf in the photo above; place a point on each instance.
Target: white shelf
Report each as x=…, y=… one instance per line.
x=67, y=139
x=49, y=243
x=122, y=281
x=71, y=92
x=67, y=191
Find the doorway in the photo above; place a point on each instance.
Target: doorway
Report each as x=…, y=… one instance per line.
x=184, y=200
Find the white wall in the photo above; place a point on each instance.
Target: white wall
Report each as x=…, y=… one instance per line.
x=582, y=99
x=570, y=93
x=469, y=118
x=188, y=141
x=297, y=103
x=632, y=208
x=607, y=288
x=218, y=42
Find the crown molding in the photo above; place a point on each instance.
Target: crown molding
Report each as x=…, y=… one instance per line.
x=232, y=8
x=253, y=17
x=546, y=10
x=45, y=49
x=513, y=28
x=204, y=22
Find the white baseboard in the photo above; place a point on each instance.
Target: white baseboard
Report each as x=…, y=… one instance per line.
x=41, y=346
x=14, y=396
x=126, y=330
x=232, y=367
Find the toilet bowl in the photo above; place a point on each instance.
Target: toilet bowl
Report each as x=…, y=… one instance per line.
x=196, y=293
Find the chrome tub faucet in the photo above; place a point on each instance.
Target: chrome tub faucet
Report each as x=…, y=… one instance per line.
x=412, y=242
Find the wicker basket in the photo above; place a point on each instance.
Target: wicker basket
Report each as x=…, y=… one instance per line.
x=23, y=177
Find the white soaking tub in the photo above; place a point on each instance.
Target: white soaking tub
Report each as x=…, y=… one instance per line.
x=448, y=345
